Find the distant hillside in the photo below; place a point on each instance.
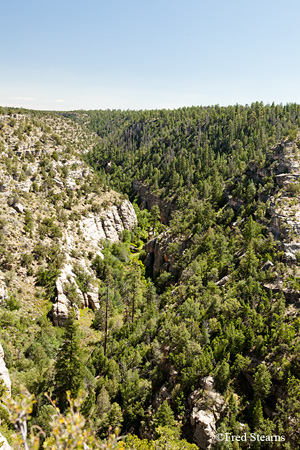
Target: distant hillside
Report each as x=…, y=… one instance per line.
x=227, y=264
x=179, y=317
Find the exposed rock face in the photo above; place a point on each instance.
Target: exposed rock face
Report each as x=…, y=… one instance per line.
x=127, y=213
x=206, y=408
x=284, y=207
x=106, y=225
x=3, y=291
x=92, y=299
x=223, y=281
x=5, y=445
x=61, y=307
x=205, y=428
x=60, y=311
x=158, y=256
x=4, y=374
x=291, y=295
x=162, y=395
x=148, y=200
x=63, y=303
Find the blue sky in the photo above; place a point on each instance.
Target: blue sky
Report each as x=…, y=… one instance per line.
x=129, y=54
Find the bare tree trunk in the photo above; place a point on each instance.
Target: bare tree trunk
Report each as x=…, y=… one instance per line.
x=133, y=306
x=106, y=322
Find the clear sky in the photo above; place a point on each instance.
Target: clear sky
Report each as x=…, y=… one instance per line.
x=130, y=54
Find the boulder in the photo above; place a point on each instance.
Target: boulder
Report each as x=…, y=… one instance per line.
x=4, y=374
x=92, y=300
x=4, y=444
x=206, y=408
x=208, y=383
x=267, y=265
x=61, y=307
x=18, y=207
x=3, y=291
x=60, y=311
x=204, y=424
x=223, y=281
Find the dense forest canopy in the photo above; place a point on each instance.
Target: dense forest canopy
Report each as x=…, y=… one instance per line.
x=197, y=158
x=199, y=292
x=175, y=150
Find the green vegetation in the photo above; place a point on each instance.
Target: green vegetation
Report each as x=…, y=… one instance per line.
x=193, y=291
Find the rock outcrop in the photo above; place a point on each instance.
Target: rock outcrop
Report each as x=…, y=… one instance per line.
x=108, y=224
x=3, y=291
x=291, y=295
x=158, y=256
x=148, y=200
x=60, y=310
x=206, y=408
x=4, y=374
x=92, y=299
x=284, y=206
x=4, y=444
x=64, y=302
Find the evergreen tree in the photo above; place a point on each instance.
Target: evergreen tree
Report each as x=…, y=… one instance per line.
x=164, y=416
x=262, y=382
x=69, y=372
x=155, y=217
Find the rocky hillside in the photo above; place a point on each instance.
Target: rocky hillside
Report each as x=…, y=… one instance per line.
x=281, y=206
x=189, y=325
x=284, y=205
x=54, y=213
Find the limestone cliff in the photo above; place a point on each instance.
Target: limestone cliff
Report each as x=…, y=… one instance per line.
x=106, y=225
x=148, y=200
x=54, y=212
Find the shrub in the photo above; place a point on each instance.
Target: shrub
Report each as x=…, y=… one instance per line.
x=47, y=278
x=13, y=304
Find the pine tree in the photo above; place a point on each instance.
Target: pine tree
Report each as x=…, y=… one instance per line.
x=155, y=217
x=164, y=416
x=257, y=415
x=68, y=367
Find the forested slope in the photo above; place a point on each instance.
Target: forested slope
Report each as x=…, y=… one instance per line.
x=221, y=269
x=197, y=328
